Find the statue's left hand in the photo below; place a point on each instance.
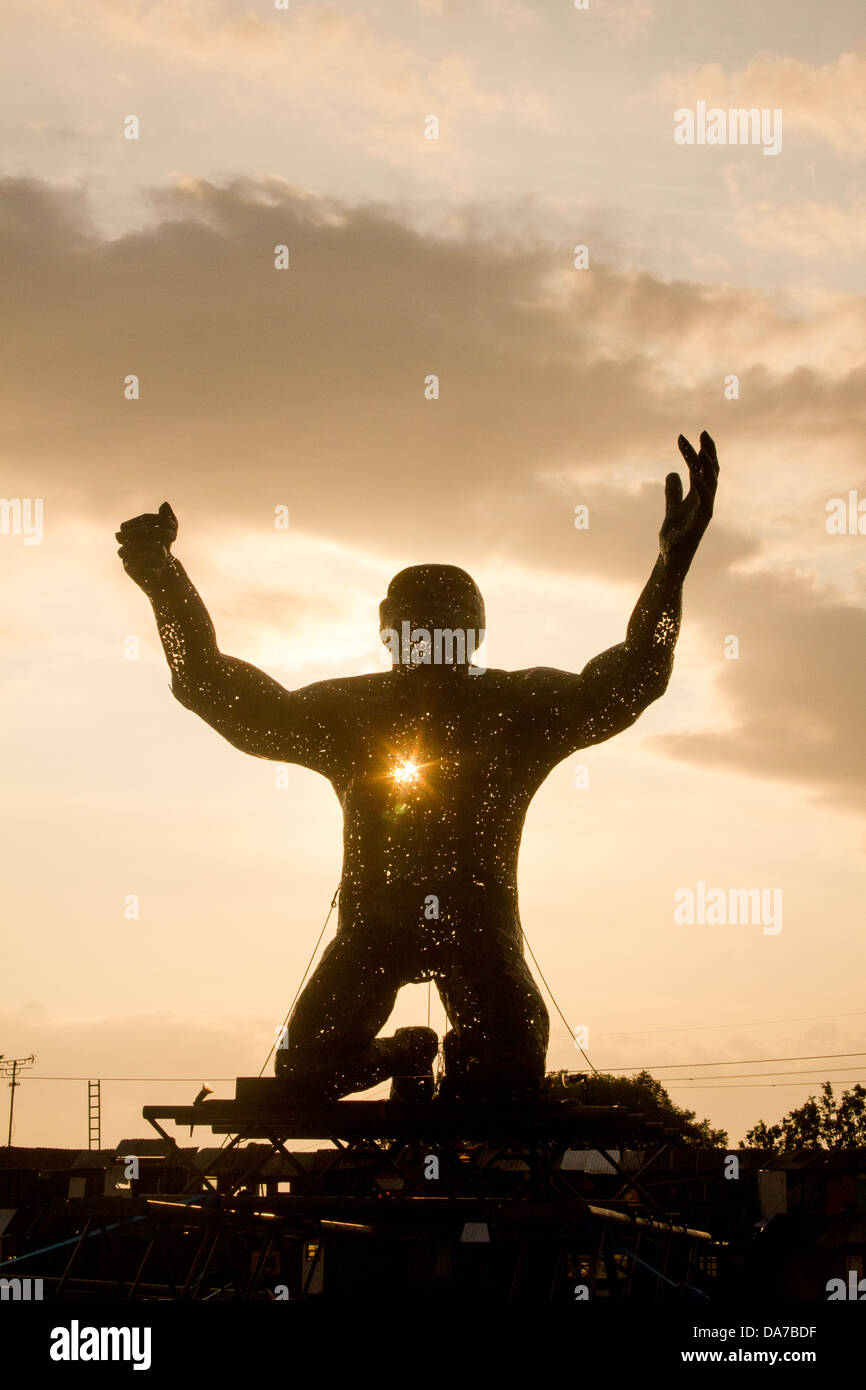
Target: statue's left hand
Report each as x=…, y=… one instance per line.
x=687, y=518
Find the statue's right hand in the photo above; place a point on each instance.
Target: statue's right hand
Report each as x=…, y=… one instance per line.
x=145, y=544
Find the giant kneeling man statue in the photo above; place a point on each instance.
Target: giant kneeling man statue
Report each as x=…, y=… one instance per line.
x=435, y=763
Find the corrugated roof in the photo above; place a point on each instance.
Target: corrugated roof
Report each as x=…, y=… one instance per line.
x=48, y=1160
x=220, y=1160
x=143, y=1148
x=588, y=1161
x=94, y=1158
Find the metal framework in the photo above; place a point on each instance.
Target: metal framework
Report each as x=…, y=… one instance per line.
x=445, y=1200
x=451, y=1173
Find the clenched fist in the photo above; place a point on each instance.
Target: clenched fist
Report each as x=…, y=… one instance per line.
x=145, y=545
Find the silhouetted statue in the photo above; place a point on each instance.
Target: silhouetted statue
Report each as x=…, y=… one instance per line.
x=434, y=763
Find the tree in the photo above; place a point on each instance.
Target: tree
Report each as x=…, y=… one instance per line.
x=823, y=1123
x=641, y=1092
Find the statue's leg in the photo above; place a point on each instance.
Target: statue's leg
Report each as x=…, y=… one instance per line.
x=332, y=1048
x=500, y=1028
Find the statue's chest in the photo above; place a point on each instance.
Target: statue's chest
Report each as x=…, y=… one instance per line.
x=436, y=728
x=446, y=745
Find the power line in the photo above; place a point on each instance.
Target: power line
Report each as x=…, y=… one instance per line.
x=709, y=1027
x=746, y=1085
x=667, y=1081
x=724, y=1062
x=745, y=1062
x=705, y=1081
x=737, y=1075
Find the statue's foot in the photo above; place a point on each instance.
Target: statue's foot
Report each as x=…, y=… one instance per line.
x=413, y=1051
x=474, y=1073
x=490, y=1090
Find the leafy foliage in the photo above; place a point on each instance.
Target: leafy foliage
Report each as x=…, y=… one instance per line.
x=822, y=1123
x=641, y=1092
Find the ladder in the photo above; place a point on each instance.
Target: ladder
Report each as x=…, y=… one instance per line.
x=94, y=1115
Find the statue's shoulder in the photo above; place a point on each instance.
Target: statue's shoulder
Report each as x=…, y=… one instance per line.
x=541, y=684
x=345, y=689
x=538, y=678
x=511, y=689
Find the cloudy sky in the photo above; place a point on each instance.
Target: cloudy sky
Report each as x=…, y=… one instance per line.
x=558, y=387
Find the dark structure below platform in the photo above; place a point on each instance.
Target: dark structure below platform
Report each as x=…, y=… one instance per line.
x=445, y=1199
x=468, y=1221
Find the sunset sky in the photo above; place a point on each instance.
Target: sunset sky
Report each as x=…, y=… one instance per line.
x=304, y=388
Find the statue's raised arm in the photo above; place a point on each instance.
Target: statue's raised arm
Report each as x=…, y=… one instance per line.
x=621, y=682
x=614, y=689
x=250, y=709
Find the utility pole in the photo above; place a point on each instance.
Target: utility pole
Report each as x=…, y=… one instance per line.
x=10, y=1066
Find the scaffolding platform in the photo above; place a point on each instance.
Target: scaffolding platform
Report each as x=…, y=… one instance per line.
x=448, y=1200
x=261, y=1110
x=445, y=1197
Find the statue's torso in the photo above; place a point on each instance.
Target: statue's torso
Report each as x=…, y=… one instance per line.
x=435, y=778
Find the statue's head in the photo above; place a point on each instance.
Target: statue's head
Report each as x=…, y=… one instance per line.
x=432, y=615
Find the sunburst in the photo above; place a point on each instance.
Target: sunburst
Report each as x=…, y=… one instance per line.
x=406, y=773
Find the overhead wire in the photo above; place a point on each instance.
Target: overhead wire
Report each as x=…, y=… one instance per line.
x=710, y=1027
x=745, y=1077
x=556, y=1003
x=303, y=977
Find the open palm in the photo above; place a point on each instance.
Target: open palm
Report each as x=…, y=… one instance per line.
x=686, y=518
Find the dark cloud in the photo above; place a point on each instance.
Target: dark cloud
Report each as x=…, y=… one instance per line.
x=259, y=386
x=306, y=387
x=796, y=693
